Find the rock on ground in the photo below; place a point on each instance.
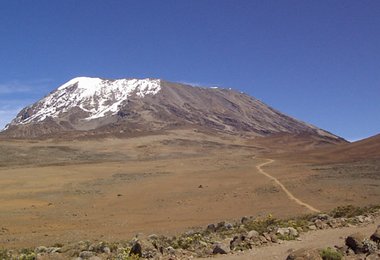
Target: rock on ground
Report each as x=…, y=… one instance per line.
x=305, y=254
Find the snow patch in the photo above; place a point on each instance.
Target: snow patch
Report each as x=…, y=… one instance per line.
x=97, y=97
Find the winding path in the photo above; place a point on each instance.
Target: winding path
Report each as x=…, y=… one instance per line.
x=288, y=193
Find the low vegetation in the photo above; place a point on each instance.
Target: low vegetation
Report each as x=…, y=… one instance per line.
x=350, y=211
x=220, y=238
x=331, y=254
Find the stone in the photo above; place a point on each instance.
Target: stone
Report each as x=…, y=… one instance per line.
x=136, y=250
x=41, y=249
x=267, y=236
x=228, y=226
x=253, y=234
x=220, y=249
x=98, y=247
x=244, y=220
x=190, y=233
x=318, y=223
x=323, y=216
x=150, y=248
x=240, y=242
x=170, y=250
x=305, y=254
x=94, y=258
x=342, y=249
x=293, y=232
x=369, y=246
x=312, y=227
x=355, y=242
x=350, y=252
x=152, y=237
x=220, y=225
x=360, y=219
x=106, y=250
x=282, y=231
x=211, y=228
x=376, y=236
x=235, y=242
x=289, y=231
x=263, y=239
x=333, y=223
x=83, y=245
x=242, y=228
x=52, y=250
x=86, y=254
x=273, y=238
x=203, y=243
x=374, y=256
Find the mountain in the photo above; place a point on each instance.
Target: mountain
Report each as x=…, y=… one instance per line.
x=366, y=149
x=94, y=106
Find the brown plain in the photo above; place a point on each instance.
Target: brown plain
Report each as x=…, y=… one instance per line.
x=111, y=189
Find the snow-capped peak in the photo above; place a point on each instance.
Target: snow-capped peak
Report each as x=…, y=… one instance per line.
x=95, y=96
x=83, y=82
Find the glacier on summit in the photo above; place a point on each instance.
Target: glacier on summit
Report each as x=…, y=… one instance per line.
x=95, y=96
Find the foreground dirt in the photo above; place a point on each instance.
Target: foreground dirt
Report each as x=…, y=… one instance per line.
x=111, y=189
x=314, y=239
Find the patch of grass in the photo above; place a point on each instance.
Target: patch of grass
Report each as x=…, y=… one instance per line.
x=286, y=237
x=27, y=254
x=294, y=223
x=124, y=255
x=350, y=211
x=262, y=225
x=188, y=242
x=330, y=254
x=4, y=254
x=268, y=223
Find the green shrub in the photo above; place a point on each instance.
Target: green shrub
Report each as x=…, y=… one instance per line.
x=124, y=255
x=330, y=254
x=286, y=237
x=348, y=211
x=4, y=254
x=262, y=225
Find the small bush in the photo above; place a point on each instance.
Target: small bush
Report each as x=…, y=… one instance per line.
x=124, y=255
x=331, y=254
x=262, y=225
x=4, y=254
x=286, y=237
x=348, y=211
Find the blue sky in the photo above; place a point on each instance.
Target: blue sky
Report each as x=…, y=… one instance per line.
x=318, y=61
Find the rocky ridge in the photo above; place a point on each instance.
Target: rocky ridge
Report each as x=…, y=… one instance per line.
x=223, y=238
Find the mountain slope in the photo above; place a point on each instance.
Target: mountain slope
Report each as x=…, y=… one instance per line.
x=98, y=106
x=366, y=149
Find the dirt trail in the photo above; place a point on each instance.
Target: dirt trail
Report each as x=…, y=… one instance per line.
x=313, y=239
x=288, y=193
